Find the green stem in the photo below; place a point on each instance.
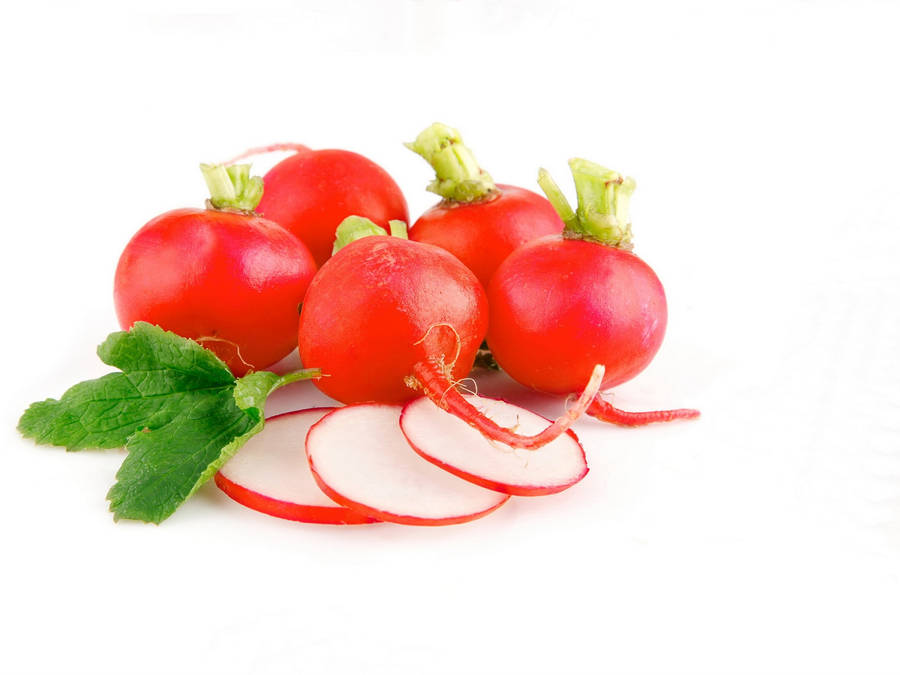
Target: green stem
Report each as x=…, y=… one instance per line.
x=232, y=187
x=251, y=391
x=398, y=229
x=458, y=177
x=357, y=227
x=603, y=200
x=557, y=198
x=297, y=376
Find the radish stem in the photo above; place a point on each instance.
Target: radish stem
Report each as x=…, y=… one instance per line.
x=232, y=187
x=357, y=227
x=603, y=198
x=458, y=178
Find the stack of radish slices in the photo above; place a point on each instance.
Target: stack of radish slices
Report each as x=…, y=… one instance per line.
x=414, y=464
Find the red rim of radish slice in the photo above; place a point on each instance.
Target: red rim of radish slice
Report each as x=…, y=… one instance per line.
x=335, y=514
x=391, y=455
x=475, y=452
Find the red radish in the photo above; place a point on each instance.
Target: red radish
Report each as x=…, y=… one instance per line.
x=222, y=275
x=477, y=221
x=360, y=459
x=385, y=317
x=454, y=446
x=312, y=191
x=561, y=305
x=270, y=474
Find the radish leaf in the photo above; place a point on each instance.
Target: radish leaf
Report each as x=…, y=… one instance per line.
x=175, y=406
x=162, y=374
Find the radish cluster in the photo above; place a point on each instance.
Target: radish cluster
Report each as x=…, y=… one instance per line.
x=316, y=256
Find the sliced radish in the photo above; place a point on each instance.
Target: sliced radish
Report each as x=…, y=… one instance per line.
x=453, y=445
x=360, y=458
x=270, y=474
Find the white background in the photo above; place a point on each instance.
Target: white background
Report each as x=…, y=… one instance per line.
x=764, y=139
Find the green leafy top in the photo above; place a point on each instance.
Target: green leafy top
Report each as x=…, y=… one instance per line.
x=603, y=203
x=357, y=227
x=458, y=177
x=175, y=406
x=232, y=187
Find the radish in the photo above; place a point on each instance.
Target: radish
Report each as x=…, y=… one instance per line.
x=386, y=317
x=563, y=304
x=270, y=474
x=477, y=221
x=360, y=459
x=312, y=191
x=449, y=443
x=222, y=276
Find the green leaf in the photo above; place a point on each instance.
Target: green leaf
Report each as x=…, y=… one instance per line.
x=162, y=374
x=175, y=406
x=165, y=466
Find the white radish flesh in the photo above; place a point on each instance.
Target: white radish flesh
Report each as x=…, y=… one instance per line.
x=361, y=459
x=270, y=474
x=453, y=445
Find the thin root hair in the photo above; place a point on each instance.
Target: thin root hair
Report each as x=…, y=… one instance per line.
x=455, y=333
x=237, y=349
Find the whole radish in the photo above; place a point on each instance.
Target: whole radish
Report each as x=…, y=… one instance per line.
x=563, y=304
x=312, y=191
x=386, y=317
x=223, y=276
x=477, y=221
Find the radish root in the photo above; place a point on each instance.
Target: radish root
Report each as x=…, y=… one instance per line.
x=262, y=150
x=435, y=385
x=607, y=412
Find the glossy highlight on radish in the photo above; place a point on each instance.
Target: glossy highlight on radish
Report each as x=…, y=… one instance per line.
x=271, y=474
x=360, y=459
x=451, y=444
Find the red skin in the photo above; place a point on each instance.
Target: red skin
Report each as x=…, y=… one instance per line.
x=311, y=192
x=482, y=234
x=326, y=515
x=559, y=307
x=232, y=277
x=369, y=306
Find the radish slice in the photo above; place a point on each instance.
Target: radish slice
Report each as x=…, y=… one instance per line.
x=360, y=458
x=270, y=474
x=453, y=445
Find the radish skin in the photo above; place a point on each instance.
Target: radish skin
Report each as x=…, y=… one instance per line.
x=222, y=276
x=310, y=193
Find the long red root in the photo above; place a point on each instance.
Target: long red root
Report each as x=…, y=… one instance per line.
x=607, y=412
x=262, y=150
x=443, y=393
